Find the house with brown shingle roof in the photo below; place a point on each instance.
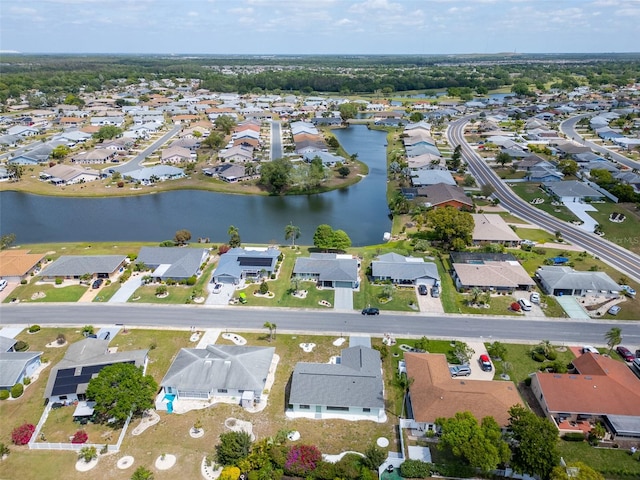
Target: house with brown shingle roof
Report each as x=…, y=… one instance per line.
x=16, y=265
x=600, y=389
x=434, y=393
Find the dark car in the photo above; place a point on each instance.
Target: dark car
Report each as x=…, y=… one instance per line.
x=423, y=290
x=370, y=311
x=435, y=291
x=485, y=363
x=97, y=283
x=625, y=353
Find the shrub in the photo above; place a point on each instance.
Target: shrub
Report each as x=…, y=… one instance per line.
x=191, y=281
x=58, y=281
x=527, y=381
x=515, y=306
x=21, y=346
x=80, y=437
x=34, y=328
x=61, y=339
x=125, y=276
x=415, y=469
x=574, y=437
x=302, y=459
x=230, y=473
x=23, y=281
x=552, y=355
x=120, y=184
x=22, y=434
x=222, y=249
x=4, y=450
x=87, y=454
x=537, y=356
x=273, y=276
x=161, y=290
x=26, y=380
x=264, y=288
x=87, y=330
x=4, y=394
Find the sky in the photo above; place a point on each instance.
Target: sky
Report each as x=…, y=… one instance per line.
x=319, y=26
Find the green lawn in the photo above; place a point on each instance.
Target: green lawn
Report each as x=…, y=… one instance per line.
x=53, y=293
x=107, y=292
x=520, y=363
x=529, y=191
x=611, y=462
x=624, y=234
x=535, y=235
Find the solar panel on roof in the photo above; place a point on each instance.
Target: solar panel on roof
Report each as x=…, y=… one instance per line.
x=258, y=262
x=66, y=372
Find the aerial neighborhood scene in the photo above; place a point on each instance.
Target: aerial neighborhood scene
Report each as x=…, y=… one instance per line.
x=328, y=240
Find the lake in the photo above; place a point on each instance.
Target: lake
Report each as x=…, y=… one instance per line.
x=360, y=210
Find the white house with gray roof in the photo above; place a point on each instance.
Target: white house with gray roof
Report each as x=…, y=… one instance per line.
x=177, y=263
x=75, y=266
x=328, y=270
x=404, y=270
x=559, y=280
x=223, y=371
x=350, y=389
x=16, y=366
x=241, y=263
x=572, y=191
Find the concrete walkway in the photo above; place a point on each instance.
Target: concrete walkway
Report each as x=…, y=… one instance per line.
x=580, y=210
x=343, y=299
x=127, y=289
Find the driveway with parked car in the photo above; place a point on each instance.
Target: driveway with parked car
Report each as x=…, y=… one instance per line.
x=536, y=310
x=427, y=303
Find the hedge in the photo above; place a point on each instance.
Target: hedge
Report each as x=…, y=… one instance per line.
x=574, y=437
x=17, y=390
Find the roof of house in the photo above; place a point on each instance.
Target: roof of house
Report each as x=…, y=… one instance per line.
x=492, y=227
x=12, y=364
x=69, y=172
x=241, y=150
x=602, y=386
x=394, y=266
x=6, y=343
x=176, y=151
x=238, y=260
x=474, y=257
x=173, y=262
x=328, y=266
x=493, y=274
x=99, y=154
x=78, y=265
x=16, y=263
x=566, y=278
x=572, y=188
x=355, y=382
x=432, y=177
x=220, y=366
x=434, y=393
x=441, y=193
x=83, y=360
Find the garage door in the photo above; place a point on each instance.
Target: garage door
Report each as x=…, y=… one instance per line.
x=426, y=281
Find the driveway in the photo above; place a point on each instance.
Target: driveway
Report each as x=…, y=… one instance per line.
x=221, y=298
x=428, y=304
x=127, y=289
x=536, y=310
x=136, y=162
x=476, y=372
x=8, y=290
x=343, y=299
x=580, y=210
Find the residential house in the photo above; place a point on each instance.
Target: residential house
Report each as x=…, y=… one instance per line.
x=97, y=156
x=403, y=270
x=350, y=389
x=441, y=195
x=328, y=159
x=572, y=191
x=76, y=266
x=23, y=131
x=330, y=270
x=17, y=265
x=16, y=366
x=435, y=394
x=240, y=263
x=177, y=155
x=601, y=389
x=192, y=144
x=7, y=344
x=83, y=361
x=544, y=174
x=327, y=121
x=116, y=121
x=561, y=280
x=491, y=228
x=240, y=154
x=220, y=372
x=174, y=263
x=157, y=173
x=423, y=178
x=61, y=174
x=228, y=172
x=489, y=272
x=24, y=159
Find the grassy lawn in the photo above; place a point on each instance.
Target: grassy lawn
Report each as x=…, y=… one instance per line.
x=611, y=462
x=535, y=235
x=507, y=173
x=147, y=294
x=624, y=234
x=529, y=191
x=107, y=292
x=509, y=218
x=32, y=293
x=521, y=364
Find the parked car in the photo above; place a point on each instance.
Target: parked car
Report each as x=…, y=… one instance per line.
x=629, y=291
x=370, y=311
x=589, y=349
x=525, y=304
x=423, y=290
x=435, y=291
x=460, y=370
x=485, y=363
x=217, y=288
x=534, y=297
x=3, y=284
x=97, y=283
x=625, y=353
x=614, y=310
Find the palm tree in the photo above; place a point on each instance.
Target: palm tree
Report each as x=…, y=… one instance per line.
x=474, y=295
x=270, y=326
x=613, y=337
x=291, y=232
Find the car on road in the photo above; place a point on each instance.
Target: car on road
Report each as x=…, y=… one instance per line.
x=3, y=284
x=625, y=353
x=97, y=283
x=460, y=370
x=370, y=311
x=217, y=288
x=485, y=363
x=435, y=291
x=614, y=310
x=589, y=349
x=423, y=290
x=534, y=297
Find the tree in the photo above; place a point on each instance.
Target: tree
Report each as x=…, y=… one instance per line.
x=233, y=446
x=60, y=152
x=568, y=167
x=462, y=352
x=374, y=457
x=87, y=454
x=225, y=123
x=535, y=443
x=481, y=445
x=275, y=175
x=503, y=158
x=182, y=237
x=7, y=240
x=487, y=189
x=348, y=111
x=575, y=471
x=344, y=171
x=107, y=132
x=15, y=171
x=450, y=224
x=234, y=237
x=497, y=350
x=270, y=326
x=416, y=117
x=456, y=158
x=291, y=232
x=323, y=237
x=121, y=389
x=613, y=337
x=142, y=473
x=215, y=141
x=341, y=240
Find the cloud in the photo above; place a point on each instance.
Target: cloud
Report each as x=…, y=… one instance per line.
x=192, y=14
x=369, y=6
x=23, y=11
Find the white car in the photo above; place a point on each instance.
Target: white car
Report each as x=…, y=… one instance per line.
x=589, y=349
x=3, y=284
x=217, y=288
x=534, y=297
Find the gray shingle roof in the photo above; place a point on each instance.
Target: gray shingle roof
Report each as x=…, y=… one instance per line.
x=220, y=366
x=329, y=268
x=6, y=343
x=71, y=265
x=397, y=267
x=12, y=365
x=567, y=278
x=355, y=382
x=571, y=188
x=184, y=262
x=237, y=260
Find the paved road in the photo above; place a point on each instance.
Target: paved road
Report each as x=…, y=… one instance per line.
x=136, y=162
x=527, y=330
x=20, y=150
x=616, y=256
x=276, y=140
x=568, y=127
